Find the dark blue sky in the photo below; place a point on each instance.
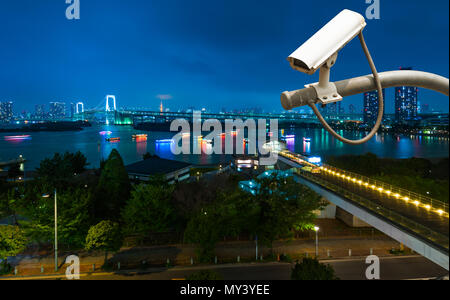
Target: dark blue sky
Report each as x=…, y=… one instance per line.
x=205, y=53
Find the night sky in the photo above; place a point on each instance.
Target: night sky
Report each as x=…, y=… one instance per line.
x=213, y=54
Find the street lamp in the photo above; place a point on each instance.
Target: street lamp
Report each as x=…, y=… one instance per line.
x=316, y=229
x=56, y=229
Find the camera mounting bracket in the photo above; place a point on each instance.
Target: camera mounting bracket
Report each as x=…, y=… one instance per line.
x=326, y=91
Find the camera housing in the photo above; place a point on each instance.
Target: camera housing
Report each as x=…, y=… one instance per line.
x=323, y=46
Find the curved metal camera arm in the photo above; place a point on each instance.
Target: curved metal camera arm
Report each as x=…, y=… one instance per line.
x=312, y=94
x=364, y=84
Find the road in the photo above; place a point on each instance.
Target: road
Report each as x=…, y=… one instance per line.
x=391, y=268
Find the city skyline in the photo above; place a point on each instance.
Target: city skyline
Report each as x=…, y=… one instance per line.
x=173, y=141
x=138, y=51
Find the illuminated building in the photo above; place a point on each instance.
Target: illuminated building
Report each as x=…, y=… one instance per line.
x=371, y=105
x=6, y=112
x=406, y=102
x=39, y=111
x=57, y=110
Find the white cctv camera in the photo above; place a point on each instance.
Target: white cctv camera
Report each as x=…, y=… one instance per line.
x=322, y=48
x=321, y=52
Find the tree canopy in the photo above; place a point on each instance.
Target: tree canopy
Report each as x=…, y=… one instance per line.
x=277, y=207
x=105, y=236
x=74, y=217
x=312, y=269
x=113, y=188
x=283, y=205
x=149, y=209
x=59, y=169
x=12, y=241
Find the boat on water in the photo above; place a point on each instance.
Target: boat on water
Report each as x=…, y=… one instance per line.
x=113, y=139
x=18, y=137
x=307, y=139
x=286, y=138
x=165, y=142
x=139, y=136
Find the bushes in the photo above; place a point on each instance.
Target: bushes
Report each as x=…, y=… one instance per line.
x=113, y=189
x=149, y=210
x=12, y=242
x=312, y=269
x=105, y=236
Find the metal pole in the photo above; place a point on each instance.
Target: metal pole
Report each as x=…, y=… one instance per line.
x=56, y=233
x=256, y=243
x=317, y=243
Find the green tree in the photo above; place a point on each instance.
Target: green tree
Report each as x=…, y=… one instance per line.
x=113, y=189
x=74, y=217
x=105, y=236
x=12, y=242
x=203, y=229
x=283, y=205
x=78, y=162
x=59, y=169
x=149, y=209
x=11, y=203
x=312, y=269
x=231, y=214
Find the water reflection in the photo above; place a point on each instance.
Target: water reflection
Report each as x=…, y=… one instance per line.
x=306, y=147
x=40, y=145
x=290, y=144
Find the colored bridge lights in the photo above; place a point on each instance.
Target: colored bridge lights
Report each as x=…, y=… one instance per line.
x=384, y=191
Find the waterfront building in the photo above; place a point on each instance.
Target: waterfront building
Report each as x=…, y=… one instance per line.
x=406, y=103
x=6, y=112
x=371, y=106
x=57, y=110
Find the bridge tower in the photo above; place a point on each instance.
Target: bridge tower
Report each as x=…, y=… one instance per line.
x=79, y=108
x=108, y=106
x=111, y=109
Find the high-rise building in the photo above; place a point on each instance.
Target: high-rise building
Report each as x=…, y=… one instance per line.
x=57, y=110
x=73, y=109
x=341, y=109
x=406, y=102
x=351, y=109
x=371, y=106
x=6, y=112
x=39, y=111
x=332, y=109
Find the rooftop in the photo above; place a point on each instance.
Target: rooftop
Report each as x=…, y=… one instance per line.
x=156, y=166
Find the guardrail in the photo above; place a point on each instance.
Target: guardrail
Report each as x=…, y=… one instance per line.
x=394, y=217
x=393, y=189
